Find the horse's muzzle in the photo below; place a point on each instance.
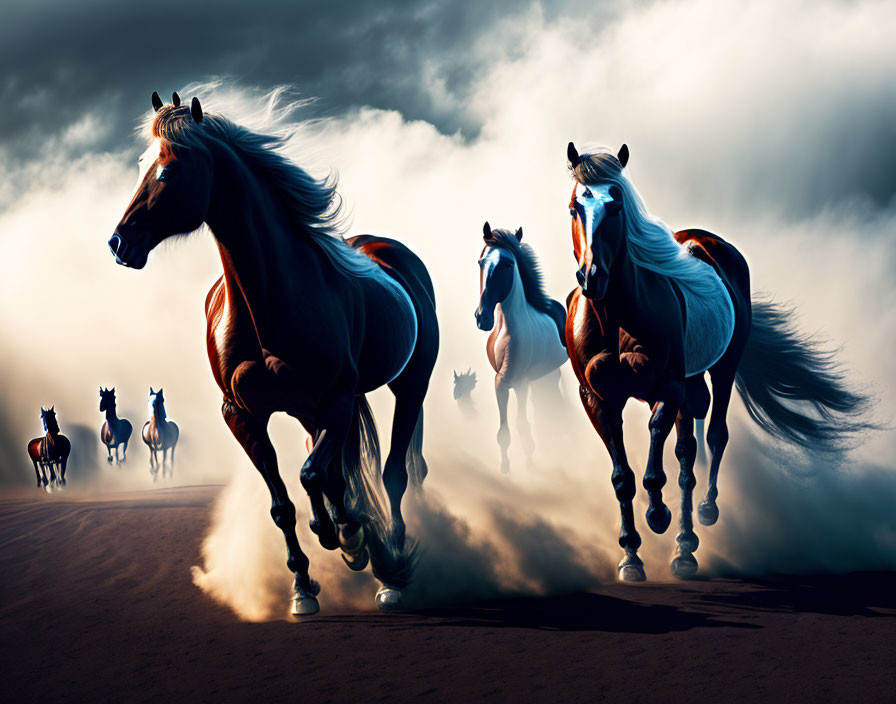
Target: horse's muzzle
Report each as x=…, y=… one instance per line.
x=125, y=253
x=594, y=283
x=484, y=320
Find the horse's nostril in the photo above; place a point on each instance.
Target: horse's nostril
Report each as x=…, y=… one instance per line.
x=116, y=244
x=580, y=277
x=594, y=270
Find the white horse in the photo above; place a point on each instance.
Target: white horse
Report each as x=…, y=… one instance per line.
x=527, y=340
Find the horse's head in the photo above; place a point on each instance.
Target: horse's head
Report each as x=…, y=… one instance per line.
x=496, y=271
x=173, y=188
x=107, y=399
x=464, y=383
x=157, y=401
x=48, y=418
x=598, y=232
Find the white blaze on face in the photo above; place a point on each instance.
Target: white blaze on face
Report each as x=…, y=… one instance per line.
x=147, y=159
x=593, y=200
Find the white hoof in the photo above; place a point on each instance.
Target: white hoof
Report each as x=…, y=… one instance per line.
x=631, y=572
x=304, y=605
x=388, y=599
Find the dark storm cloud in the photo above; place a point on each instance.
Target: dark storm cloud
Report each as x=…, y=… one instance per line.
x=61, y=60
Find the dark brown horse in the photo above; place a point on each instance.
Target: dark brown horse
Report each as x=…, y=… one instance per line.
x=652, y=313
x=160, y=435
x=49, y=453
x=116, y=432
x=302, y=322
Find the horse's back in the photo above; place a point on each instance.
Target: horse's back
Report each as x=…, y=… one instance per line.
x=390, y=341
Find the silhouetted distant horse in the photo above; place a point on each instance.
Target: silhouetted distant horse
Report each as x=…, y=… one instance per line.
x=115, y=431
x=302, y=321
x=652, y=313
x=160, y=435
x=527, y=340
x=50, y=452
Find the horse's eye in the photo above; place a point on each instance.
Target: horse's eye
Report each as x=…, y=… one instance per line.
x=587, y=193
x=166, y=172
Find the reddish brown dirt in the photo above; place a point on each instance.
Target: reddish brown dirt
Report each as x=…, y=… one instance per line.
x=97, y=604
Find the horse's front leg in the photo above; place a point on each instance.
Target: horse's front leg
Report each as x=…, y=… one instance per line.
x=684, y=566
x=717, y=439
x=606, y=417
x=661, y=422
x=251, y=432
x=522, y=422
x=334, y=423
x=109, y=450
x=502, y=394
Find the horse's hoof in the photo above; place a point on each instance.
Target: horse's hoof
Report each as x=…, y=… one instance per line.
x=659, y=518
x=110, y=460
x=684, y=566
x=389, y=599
x=304, y=605
x=354, y=554
x=631, y=573
x=708, y=513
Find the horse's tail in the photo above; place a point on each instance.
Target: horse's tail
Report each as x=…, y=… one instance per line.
x=366, y=501
x=793, y=388
x=416, y=465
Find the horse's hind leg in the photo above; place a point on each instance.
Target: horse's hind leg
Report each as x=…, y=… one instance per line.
x=37, y=474
x=684, y=566
x=607, y=421
x=252, y=434
x=109, y=450
x=522, y=422
x=408, y=406
x=502, y=393
x=716, y=439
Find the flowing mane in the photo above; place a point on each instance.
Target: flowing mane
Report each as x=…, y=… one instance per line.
x=312, y=204
x=649, y=240
x=526, y=264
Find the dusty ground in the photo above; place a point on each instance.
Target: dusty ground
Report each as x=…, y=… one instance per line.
x=97, y=604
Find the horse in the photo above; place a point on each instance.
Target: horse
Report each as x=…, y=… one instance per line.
x=49, y=453
x=302, y=321
x=653, y=312
x=115, y=431
x=464, y=383
x=527, y=340
x=160, y=435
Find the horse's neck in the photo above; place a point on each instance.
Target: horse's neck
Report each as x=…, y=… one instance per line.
x=111, y=416
x=622, y=289
x=515, y=308
x=261, y=255
x=158, y=415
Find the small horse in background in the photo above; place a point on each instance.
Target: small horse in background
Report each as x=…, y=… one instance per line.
x=160, y=435
x=464, y=383
x=115, y=431
x=527, y=340
x=50, y=452
x=656, y=310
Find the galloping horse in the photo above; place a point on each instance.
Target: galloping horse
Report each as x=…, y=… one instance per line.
x=653, y=312
x=115, y=431
x=50, y=452
x=303, y=322
x=160, y=435
x=526, y=340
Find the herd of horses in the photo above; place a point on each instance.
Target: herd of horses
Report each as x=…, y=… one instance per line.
x=50, y=453
x=305, y=322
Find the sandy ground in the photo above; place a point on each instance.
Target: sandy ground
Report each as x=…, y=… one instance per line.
x=97, y=604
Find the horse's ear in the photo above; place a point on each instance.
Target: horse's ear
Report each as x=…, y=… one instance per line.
x=196, y=110
x=156, y=101
x=486, y=231
x=151, y=392
x=572, y=154
x=623, y=155
x=175, y=98
x=519, y=235
x=455, y=374
x=53, y=408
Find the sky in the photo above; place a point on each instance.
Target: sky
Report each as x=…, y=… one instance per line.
x=770, y=123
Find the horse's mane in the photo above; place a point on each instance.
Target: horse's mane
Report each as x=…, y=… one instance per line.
x=312, y=204
x=649, y=240
x=162, y=413
x=526, y=264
